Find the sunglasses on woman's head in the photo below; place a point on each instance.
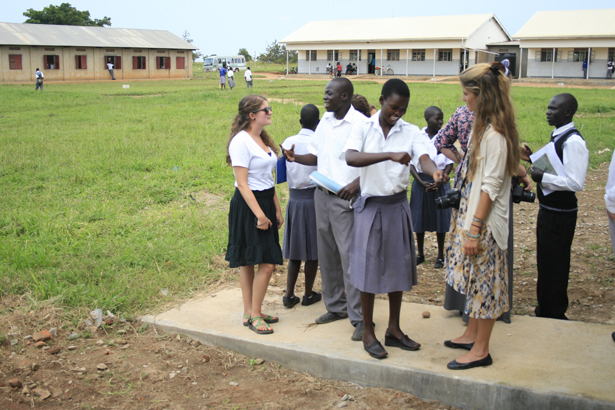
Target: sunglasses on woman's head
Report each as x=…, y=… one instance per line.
x=266, y=109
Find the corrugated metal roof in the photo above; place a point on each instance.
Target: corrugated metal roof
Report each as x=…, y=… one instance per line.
x=569, y=24
x=21, y=34
x=390, y=29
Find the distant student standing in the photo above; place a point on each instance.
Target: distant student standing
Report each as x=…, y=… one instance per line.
x=382, y=251
x=231, y=81
x=110, y=68
x=39, y=79
x=223, y=77
x=248, y=77
x=300, y=236
x=425, y=216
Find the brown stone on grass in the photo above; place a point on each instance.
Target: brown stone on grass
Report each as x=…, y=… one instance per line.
x=15, y=383
x=54, y=350
x=42, y=336
x=42, y=393
x=40, y=344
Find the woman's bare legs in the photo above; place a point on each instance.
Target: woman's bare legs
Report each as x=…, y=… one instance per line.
x=479, y=333
x=253, y=288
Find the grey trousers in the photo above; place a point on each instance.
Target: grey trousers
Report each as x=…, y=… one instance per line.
x=612, y=229
x=334, y=224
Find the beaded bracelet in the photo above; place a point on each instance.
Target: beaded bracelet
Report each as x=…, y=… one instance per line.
x=477, y=220
x=473, y=236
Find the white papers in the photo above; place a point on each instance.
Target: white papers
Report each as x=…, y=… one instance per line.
x=546, y=159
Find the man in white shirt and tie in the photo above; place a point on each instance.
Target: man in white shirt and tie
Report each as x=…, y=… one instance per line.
x=557, y=215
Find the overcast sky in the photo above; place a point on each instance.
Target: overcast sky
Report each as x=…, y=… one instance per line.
x=223, y=27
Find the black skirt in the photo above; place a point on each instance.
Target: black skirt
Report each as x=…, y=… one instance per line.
x=425, y=216
x=248, y=245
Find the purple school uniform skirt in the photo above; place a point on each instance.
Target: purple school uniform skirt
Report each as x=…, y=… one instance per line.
x=300, y=231
x=382, y=254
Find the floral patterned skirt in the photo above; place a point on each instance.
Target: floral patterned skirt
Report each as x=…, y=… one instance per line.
x=483, y=278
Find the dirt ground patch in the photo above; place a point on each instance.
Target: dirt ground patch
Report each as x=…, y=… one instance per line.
x=146, y=369
x=124, y=364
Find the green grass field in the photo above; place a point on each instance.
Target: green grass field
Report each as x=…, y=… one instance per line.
x=109, y=195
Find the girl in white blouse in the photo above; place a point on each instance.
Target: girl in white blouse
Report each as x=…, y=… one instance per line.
x=476, y=257
x=255, y=215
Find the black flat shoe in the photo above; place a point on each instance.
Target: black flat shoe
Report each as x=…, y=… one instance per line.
x=405, y=343
x=454, y=365
x=315, y=297
x=439, y=263
x=289, y=302
x=375, y=350
x=420, y=259
x=453, y=345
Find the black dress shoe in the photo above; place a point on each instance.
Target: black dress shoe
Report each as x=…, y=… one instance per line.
x=613, y=336
x=357, y=335
x=486, y=361
x=329, y=317
x=375, y=350
x=405, y=343
x=420, y=259
x=453, y=345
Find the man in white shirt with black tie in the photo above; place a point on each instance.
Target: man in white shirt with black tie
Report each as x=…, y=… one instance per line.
x=557, y=215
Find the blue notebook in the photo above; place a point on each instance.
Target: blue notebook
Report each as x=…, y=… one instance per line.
x=280, y=171
x=324, y=182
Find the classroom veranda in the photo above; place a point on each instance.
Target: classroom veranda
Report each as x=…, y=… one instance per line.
x=423, y=46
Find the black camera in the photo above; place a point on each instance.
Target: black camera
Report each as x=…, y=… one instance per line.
x=520, y=194
x=451, y=199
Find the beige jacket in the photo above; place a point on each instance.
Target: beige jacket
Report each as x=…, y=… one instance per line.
x=492, y=178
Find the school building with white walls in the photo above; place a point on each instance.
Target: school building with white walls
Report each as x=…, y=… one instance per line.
x=554, y=44
x=75, y=53
x=425, y=46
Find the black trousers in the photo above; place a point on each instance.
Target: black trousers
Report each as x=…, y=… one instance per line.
x=554, y=234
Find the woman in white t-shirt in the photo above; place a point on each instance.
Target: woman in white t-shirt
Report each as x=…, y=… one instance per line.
x=253, y=237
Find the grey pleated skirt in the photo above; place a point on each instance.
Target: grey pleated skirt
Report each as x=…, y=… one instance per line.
x=382, y=254
x=300, y=231
x=425, y=216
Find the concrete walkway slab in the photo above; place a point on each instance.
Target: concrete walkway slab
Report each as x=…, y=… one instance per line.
x=538, y=363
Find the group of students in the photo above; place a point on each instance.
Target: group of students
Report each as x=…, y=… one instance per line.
x=230, y=73
x=363, y=236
